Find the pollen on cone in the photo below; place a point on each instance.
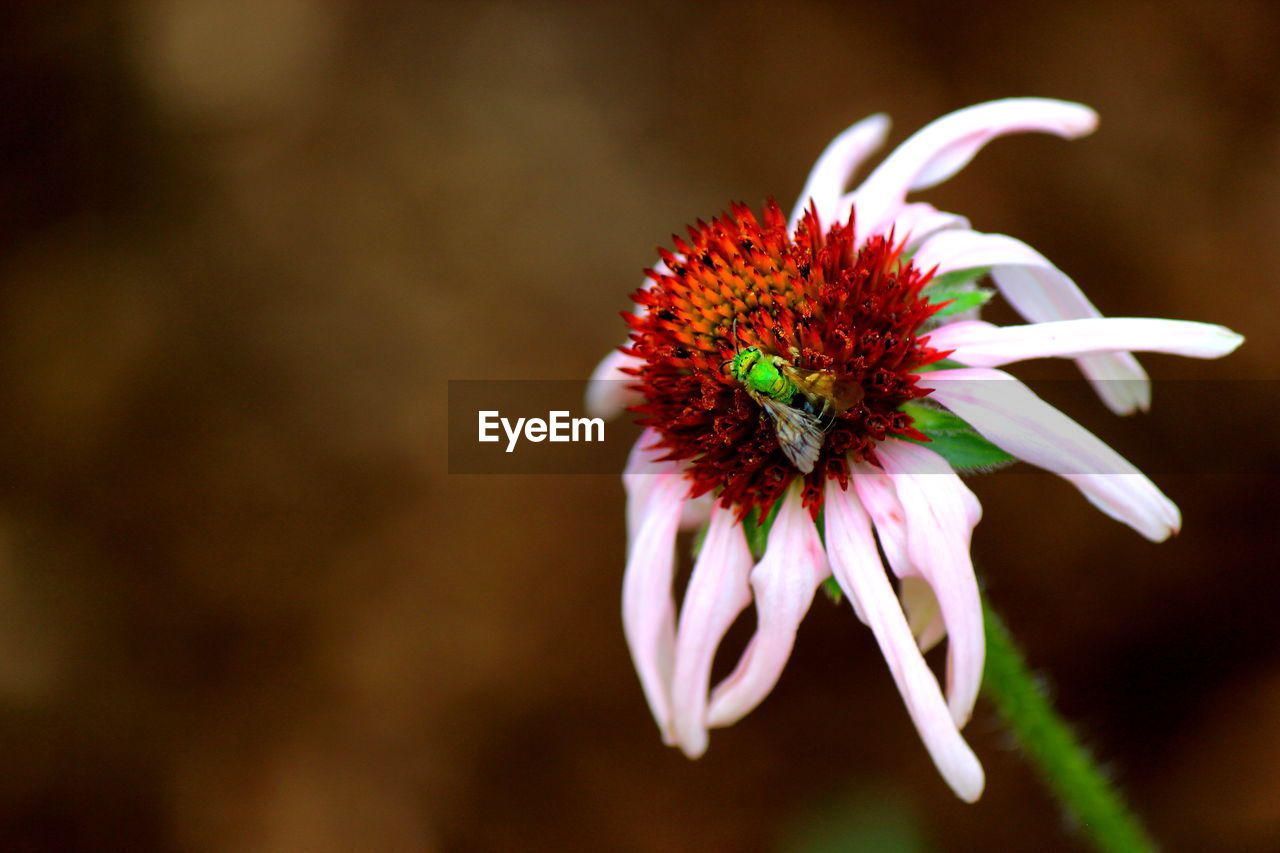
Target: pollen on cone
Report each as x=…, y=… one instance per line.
x=808, y=299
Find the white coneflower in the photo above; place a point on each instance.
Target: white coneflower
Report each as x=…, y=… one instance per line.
x=781, y=369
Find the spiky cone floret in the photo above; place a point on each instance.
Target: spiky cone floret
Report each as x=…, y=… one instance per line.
x=813, y=301
x=842, y=287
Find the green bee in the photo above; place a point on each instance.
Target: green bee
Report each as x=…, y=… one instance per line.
x=795, y=400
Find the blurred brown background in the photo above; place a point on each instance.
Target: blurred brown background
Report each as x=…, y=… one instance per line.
x=244, y=244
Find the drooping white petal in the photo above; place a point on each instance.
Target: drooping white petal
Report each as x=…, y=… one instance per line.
x=655, y=498
x=1012, y=417
x=857, y=568
x=941, y=513
x=923, y=613
x=718, y=591
x=643, y=472
x=944, y=147
x=1118, y=380
x=980, y=344
x=1042, y=293
x=918, y=221
x=784, y=581
x=697, y=512
x=609, y=390
x=879, y=498
x=842, y=157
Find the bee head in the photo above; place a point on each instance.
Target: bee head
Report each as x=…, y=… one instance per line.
x=741, y=363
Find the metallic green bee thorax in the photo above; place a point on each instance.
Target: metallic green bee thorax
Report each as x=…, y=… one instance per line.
x=761, y=375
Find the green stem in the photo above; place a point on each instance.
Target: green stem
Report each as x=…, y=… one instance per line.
x=1053, y=749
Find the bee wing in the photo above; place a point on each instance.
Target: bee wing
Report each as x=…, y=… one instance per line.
x=799, y=434
x=824, y=387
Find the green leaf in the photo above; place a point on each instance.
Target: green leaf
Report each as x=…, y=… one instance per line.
x=967, y=452
x=833, y=590
x=955, y=280
x=757, y=531
x=930, y=419
x=943, y=364
x=955, y=441
x=699, y=538
x=960, y=288
x=959, y=300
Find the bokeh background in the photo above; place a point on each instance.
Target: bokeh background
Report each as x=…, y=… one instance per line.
x=244, y=244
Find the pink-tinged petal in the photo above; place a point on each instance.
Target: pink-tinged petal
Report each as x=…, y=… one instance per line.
x=1012, y=417
x=879, y=498
x=610, y=391
x=1042, y=293
x=1118, y=380
x=939, y=150
x=718, y=591
x=923, y=613
x=697, y=512
x=648, y=615
x=983, y=345
x=857, y=568
x=654, y=505
x=918, y=221
x=644, y=471
x=831, y=174
x=941, y=514
x=785, y=580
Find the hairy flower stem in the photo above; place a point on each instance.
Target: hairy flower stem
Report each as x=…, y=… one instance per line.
x=1068, y=769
